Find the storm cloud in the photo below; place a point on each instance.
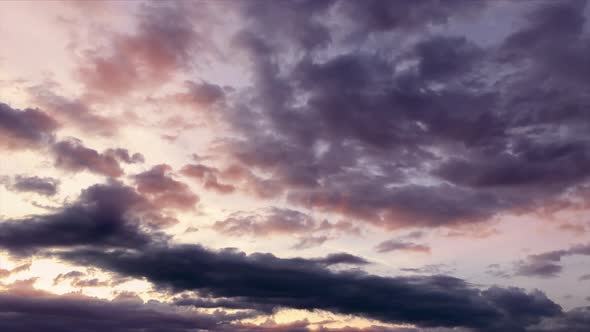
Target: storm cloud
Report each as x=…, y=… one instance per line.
x=101, y=217
x=297, y=283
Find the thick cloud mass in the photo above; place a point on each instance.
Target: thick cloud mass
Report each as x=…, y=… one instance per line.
x=102, y=230
x=298, y=283
x=576, y=320
x=348, y=131
x=101, y=217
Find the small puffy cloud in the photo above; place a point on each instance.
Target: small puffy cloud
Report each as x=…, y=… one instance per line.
x=72, y=155
x=395, y=245
x=548, y=264
x=163, y=190
x=40, y=185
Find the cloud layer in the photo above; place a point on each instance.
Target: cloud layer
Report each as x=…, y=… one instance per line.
x=242, y=161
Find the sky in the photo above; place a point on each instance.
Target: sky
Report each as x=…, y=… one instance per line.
x=295, y=166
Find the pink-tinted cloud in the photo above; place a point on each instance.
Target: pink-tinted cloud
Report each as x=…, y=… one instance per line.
x=208, y=177
x=74, y=112
x=474, y=231
x=576, y=229
x=163, y=190
x=150, y=56
x=251, y=183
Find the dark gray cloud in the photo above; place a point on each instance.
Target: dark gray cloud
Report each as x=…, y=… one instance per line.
x=27, y=128
x=575, y=320
x=32, y=128
x=520, y=309
x=341, y=258
x=444, y=57
x=23, y=309
x=102, y=230
x=101, y=217
x=305, y=284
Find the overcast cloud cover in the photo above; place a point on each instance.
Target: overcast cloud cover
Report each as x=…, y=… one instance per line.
x=295, y=165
